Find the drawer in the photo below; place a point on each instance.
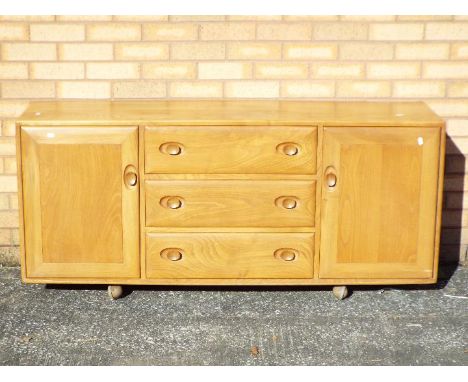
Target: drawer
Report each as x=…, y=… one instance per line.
x=229, y=255
x=230, y=150
x=230, y=203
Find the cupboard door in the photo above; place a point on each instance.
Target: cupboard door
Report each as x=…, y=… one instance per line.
x=379, y=200
x=81, y=207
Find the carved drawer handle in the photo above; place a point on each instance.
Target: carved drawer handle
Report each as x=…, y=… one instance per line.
x=130, y=176
x=286, y=254
x=171, y=148
x=288, y=148
x=330, y=177
x=287, y=202
x=172, y=254
x=172, y=202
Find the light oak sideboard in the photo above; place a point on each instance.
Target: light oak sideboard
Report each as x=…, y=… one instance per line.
x=230, y=193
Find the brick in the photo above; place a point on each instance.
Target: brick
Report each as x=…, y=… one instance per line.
x=459, y=51
x=454, y=236
x=419, y=89
x=255, y=18
x=29, y=52
x=197, y=18
x=311, y=18
x=8, y=183
x=113, y=32
x=48, y=71
x=337, y=70
x=9, y=219
x=224, y=70
x=308, y=89
x=227, y=31
x=310, y=51
x=198, y=51
x=281, y=70
x=396, y=32
x=141, y=51
x=447, y=31
x=13, y=32
x=57, y=32
x=142, y=18
x=384, y=70
x=340, y=31
x=179, y=31
x=457, y=145
x=208, y=89
x=13, y=71
x=28, y=89
x=4, y=201
x=254, y=51
x=455, y=182
x=457, y=127
x=83, y=18
x=13, y=201
x=10, y=165
x=366, y=51
x=5, y=236
x=458, y=89
x=83, y=89
x=252, y=89
x=423, y=18
x=367, y=18
x=449, y=108
x=7, y=146
x=86, y=52
x=454, y=218
x=455, y=164
x=169, y=70
x=139, y=89
x=12, y=109
x=15, y=241
x=112, y=70
x=8, y=128
x=27, y=18
x=280, y=31
x=456, y=200
x=455, y=70
x=421, y=51
x=363, y=89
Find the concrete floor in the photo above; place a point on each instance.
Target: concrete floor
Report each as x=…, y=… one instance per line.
x=69, y=325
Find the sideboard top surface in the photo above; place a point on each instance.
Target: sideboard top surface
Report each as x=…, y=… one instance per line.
x=221, y=112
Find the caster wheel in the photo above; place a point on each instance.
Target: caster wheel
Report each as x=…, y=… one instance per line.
x=340, y=292
x=114, y=291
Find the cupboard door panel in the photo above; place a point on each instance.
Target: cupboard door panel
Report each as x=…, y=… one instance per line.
x=379, y=201
x=81, y=218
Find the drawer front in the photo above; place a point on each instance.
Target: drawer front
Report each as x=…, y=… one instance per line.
x=230, y=203
x=229, y=255
x=230, y=150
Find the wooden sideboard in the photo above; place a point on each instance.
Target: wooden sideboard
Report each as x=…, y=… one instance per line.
x=230, y=193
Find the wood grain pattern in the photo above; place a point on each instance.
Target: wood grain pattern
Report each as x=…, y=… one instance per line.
x=378, y=225
x=237, y=203
x=231, y=150
x=378, y=221
x=235, y=112
x=230, y=255
x=81, y=220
